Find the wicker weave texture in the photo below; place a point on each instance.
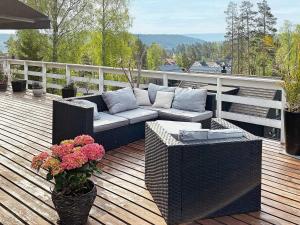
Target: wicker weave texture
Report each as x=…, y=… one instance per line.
x=74, y=210
x=204, y=179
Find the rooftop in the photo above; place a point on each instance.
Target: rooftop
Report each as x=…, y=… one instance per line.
x=122, y=196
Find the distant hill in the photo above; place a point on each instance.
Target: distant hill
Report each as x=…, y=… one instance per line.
x=168, y=41
x=3, y=39
x=209, y=37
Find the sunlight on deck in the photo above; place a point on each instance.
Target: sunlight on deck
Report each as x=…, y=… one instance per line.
x=25, y=198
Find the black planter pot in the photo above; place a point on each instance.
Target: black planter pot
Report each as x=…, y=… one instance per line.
x=3, y=87
x=74, y=210
x=18, y=85
x=69, y=93
x=292, y=132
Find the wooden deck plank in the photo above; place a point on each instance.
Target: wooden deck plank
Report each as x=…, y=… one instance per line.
x=7, y=217
x=21, y=210
x=35, y=204
x=25, y=130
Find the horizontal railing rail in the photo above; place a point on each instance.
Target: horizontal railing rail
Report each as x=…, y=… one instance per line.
x=98, y=79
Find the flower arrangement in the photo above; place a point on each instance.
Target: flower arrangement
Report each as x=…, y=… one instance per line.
x=71, y=164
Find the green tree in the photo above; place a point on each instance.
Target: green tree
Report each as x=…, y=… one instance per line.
x=155, y=56
x=231, y=17
x=11, y=44
x=67, y=17
x=30, y=45
x=112, y=17
x=248, y=16
x=265, y=23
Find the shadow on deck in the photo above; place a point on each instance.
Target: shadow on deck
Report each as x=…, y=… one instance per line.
x=25, y=130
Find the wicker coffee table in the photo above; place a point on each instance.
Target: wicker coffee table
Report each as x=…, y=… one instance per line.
x=202, y=179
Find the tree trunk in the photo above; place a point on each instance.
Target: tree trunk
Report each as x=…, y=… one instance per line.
x=232, y=44
x=55, y=32
x=103, y=34
x=238, y=54
x=248, y=44
x=54, y=46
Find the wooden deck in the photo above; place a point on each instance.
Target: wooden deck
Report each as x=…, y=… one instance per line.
x=25, y=130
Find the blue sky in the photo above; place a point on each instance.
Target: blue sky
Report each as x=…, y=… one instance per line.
x=196, y=16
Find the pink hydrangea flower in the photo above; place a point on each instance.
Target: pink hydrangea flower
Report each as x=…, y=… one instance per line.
x=62, y=150
x=38, y=160
x=73, y=160
x=83, y=140
x=67, y=142
x=53, y=165
x=93, y=151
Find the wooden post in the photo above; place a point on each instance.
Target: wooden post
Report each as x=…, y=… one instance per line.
x=283, y=107
x=26, y=73
x=101, y=80
x=165, y=80
x=219, y=100
x=44, y=77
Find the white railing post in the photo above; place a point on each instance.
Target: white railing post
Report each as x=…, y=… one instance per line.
x=26, y=73
x=8, y=72
x=4, y=66
x=68, y=74
x=219, y=100
x=101, y=81
x=44, y=77
x=283, y=107
x=165, y=80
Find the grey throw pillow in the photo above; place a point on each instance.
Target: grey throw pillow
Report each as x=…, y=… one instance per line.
x=153, y=89
x=82, y=102
x=190, y=99
x=120, y=100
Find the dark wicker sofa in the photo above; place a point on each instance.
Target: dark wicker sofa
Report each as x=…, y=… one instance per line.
x=70, y=120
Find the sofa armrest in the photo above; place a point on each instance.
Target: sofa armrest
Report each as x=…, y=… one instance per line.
x=70, y=120
x=211, y=104
x=93, y=98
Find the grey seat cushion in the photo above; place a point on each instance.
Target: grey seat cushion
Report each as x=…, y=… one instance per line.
x=120, y=100
x=190, y=99
x=153, y=89
x=150, y=108
x=138, y=115
x=108, y=122
x=181, y=115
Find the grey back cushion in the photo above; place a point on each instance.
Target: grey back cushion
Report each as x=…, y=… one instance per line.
x=190, y=99
x=120, y=100
x=86, y=103
x=153, y=89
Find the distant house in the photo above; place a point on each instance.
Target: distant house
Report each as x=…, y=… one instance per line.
x=170, y=68
x=208, y=67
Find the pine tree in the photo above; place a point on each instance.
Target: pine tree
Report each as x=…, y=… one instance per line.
x=265, y=23
x=248, y=16
x=231, y=15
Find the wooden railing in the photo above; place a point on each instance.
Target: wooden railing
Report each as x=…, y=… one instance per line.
x=46, y=71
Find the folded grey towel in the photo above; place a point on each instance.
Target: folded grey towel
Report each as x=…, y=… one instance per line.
x=193, y=135
x=173, y=127
x=225, y=133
